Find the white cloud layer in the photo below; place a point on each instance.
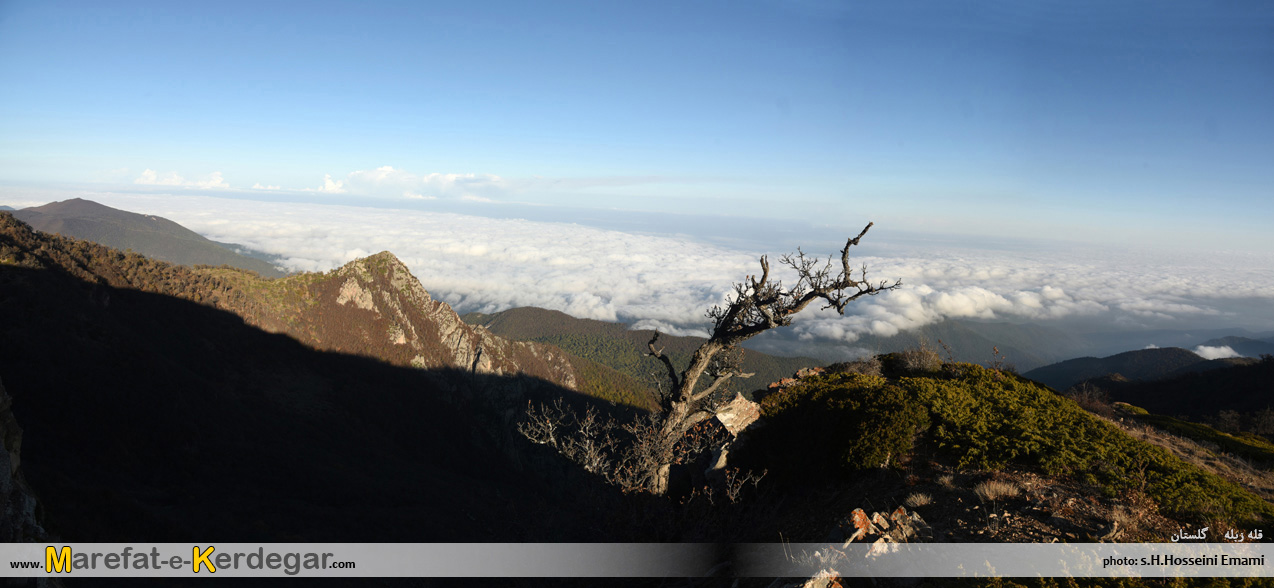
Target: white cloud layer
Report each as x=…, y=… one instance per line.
x=150, y=177
x=1209, y=352
x=485, y=264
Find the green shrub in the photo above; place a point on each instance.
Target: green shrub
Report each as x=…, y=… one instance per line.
x=1245, y=445
x=986, y=419
x=841, y=422
x=983, y=420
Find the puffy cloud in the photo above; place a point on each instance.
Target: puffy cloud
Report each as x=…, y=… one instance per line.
x=1209, y=352
x=389, y=182
x=258, y=186
x=329, y=186
x=150, y=177
x=486, y=264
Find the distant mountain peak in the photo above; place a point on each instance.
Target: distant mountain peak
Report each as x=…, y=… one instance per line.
x=147, y=234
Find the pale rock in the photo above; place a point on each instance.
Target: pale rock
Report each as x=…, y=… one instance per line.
x=738, y=414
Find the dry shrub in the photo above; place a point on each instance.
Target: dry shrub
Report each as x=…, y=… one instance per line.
x=1125, y=518
x=1092, y=399
x=946, y=481
x=867, y=366
x=996, y=489
x=918, y=499
x=920, y=360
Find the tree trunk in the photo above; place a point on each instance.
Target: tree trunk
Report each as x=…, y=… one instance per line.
x=659, y=481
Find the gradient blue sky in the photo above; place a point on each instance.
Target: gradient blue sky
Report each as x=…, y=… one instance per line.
x=1094, y=121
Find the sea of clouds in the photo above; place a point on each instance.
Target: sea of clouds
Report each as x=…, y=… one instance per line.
x=485, y=264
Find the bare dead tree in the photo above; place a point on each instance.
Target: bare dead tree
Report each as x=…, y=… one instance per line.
x=758, y=305
x=586, y=439
x=545, y=423
x=593, y=445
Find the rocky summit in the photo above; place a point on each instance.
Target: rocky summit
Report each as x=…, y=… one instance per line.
x=375, y=307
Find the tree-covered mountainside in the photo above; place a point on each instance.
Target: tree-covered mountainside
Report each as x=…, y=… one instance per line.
x=1024, y=346
x=1143, y=364
x=148, y=235
x=624, y=350
x=1106, y=343
x=1211, y=364
x=1246, y=388
x=1255, y=448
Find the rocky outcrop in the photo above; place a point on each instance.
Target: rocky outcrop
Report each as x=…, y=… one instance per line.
x=824, y=579
x=898, y=526
x=738, y=414
x=374, y=306
x=18, y=523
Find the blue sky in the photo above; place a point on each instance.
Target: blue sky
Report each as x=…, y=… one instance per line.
x=1066, y=119
x=1054, y=134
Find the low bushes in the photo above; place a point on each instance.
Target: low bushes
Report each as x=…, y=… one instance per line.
x=981, y=419
x=836, y=423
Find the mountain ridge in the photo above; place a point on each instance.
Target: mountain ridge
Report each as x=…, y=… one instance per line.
x=166, y=376
x=149, y=235
x=371, y=306
x=1140, y=364
x=1244, y=346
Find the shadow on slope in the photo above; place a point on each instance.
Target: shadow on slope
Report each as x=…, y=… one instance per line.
x=1245, y=387
x=151, y=418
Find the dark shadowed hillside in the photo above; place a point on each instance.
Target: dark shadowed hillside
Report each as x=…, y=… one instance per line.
x=153, y=417
x=1247, y=388
x=1143, y=364
x=1212, y=364
x=149, y=235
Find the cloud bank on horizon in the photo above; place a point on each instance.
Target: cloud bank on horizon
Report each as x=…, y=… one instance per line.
x=382, y=182
x=389, y=183
x=667, y=282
